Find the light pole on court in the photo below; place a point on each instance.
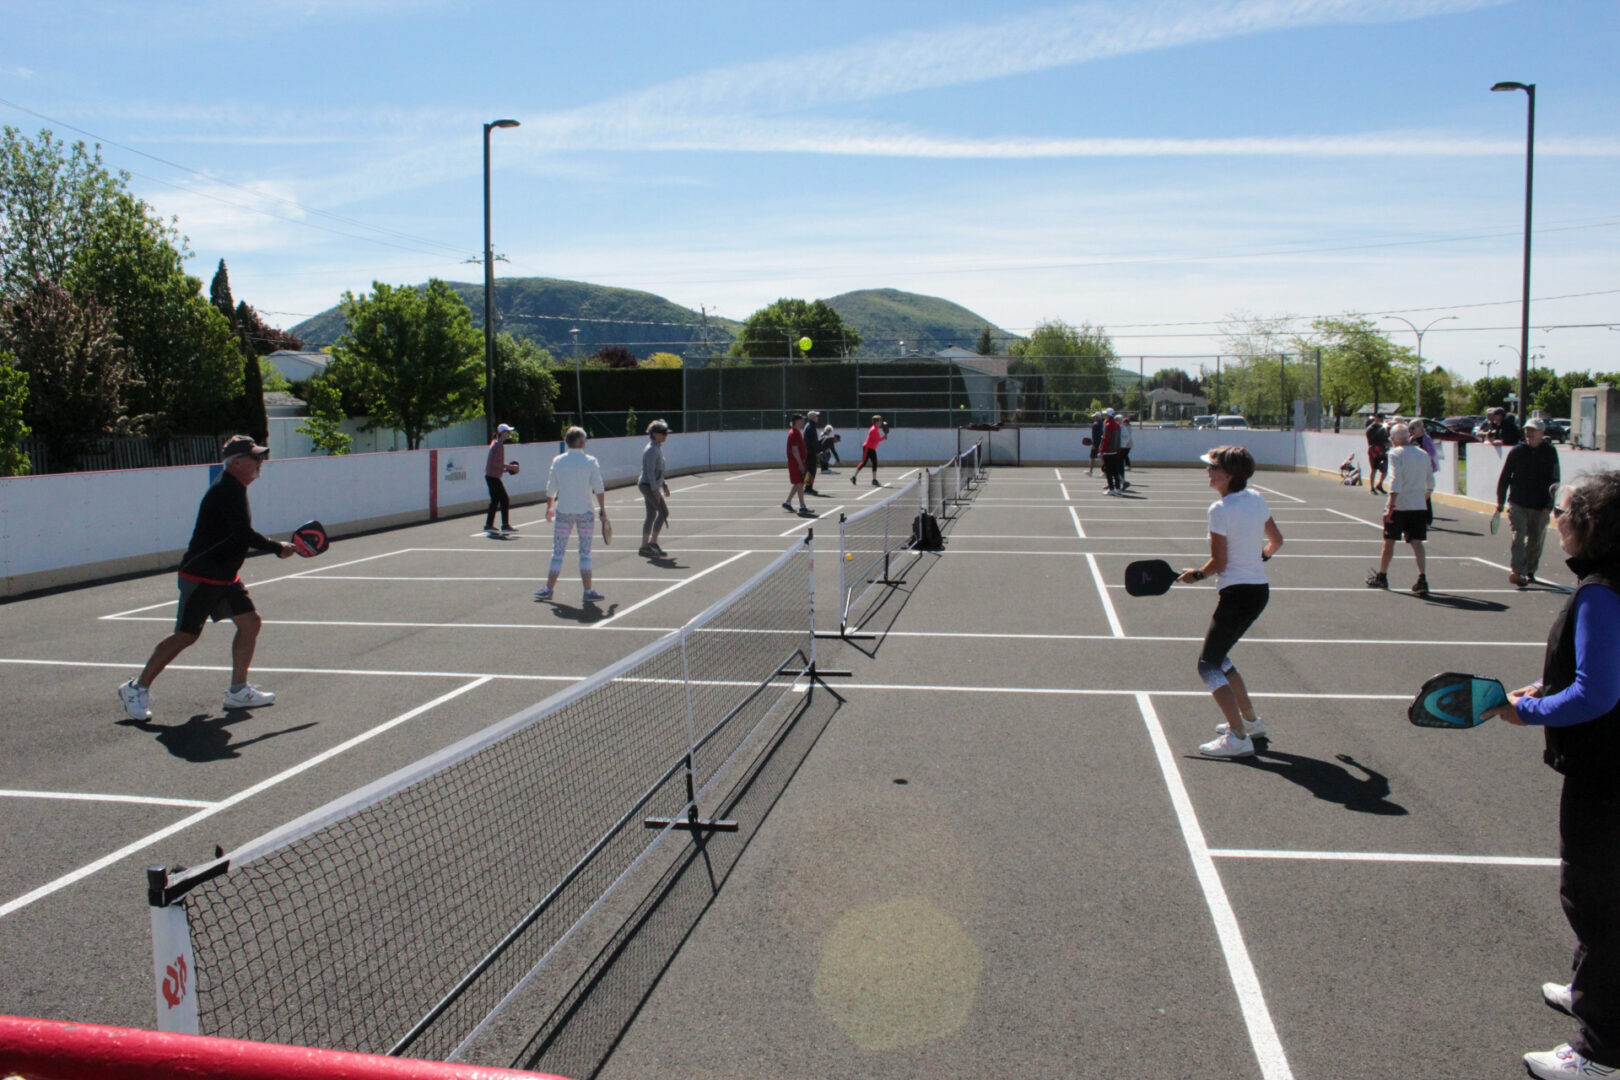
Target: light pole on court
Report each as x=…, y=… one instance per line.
x=1529, y=176
x=489, y=294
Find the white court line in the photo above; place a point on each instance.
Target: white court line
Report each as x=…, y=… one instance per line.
x=1102, y=591
x=1277, y=493
x=1074, y=515
x=130, y=665
x=74, y=796
x=810, y=522
x=665, y=592
x=1057, y=472
x=266, y=581
x=246, y=793
x=1352, y=517
x=1268, y=1050
x=407, y=577
x=1172, y=554
x=756, y=472
x=1387, y=856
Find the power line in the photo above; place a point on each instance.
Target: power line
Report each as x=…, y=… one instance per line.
x=256, y=194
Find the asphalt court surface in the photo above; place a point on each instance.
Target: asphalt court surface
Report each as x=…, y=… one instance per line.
x=1061, y=887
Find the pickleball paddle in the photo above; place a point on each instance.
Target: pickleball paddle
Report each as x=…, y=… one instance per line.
x=309, y=539
x=1149, y=577
x=1455, y=700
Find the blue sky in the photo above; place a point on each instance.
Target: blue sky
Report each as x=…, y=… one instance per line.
x=1152, y=167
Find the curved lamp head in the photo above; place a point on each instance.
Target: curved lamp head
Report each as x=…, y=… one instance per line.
x=502, y=123
x=1512, y=86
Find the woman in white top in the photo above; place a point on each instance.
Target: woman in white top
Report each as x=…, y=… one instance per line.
x=1242, y=536
x=575, y=477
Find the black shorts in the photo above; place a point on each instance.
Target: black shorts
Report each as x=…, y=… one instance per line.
x=1407, y=525
x=200, y=601
x=1236, y=610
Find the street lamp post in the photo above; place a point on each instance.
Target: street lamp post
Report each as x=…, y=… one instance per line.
x=489, y=294
x=1529, y=175
x=579, y=386
x=1417, y=387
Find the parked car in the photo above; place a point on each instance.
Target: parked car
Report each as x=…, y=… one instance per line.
x=1230, y=422
x=1206, y=421
x=1464, y=424
x=1558, y=429
x=1440, y=432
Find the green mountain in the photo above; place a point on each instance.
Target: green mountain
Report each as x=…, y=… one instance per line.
x=547, y=311
x=888, y=317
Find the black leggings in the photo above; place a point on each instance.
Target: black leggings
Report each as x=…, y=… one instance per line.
x=1236, y=611
x=870, y=455
x=498, y=500
x=1589, y=882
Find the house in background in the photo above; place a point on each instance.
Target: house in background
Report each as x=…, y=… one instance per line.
x=1167, y=404
x=299, y=366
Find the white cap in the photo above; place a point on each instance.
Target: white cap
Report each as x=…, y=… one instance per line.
x=1536, y=423
x=1108, y=412
x=504, y=428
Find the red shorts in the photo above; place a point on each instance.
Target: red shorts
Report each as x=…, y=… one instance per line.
x=795, y=474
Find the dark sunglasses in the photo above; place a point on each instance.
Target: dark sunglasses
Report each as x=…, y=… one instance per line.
x=1559, y=511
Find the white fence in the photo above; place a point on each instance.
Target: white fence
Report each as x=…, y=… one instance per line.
x=68, y=528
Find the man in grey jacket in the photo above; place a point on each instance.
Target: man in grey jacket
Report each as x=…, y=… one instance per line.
x=654, y=491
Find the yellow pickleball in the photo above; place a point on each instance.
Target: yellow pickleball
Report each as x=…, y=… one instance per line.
x=804, y=344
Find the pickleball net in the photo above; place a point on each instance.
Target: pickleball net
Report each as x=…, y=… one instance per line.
x=427, y=913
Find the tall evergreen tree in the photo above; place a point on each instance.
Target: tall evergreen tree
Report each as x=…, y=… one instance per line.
x=251, y=415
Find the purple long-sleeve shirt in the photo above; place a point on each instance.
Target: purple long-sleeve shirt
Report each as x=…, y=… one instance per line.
x=1596, y=689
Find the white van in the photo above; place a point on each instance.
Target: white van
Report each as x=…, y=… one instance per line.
x=1231, y=422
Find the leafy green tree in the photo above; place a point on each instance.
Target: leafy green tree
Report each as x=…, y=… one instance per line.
x=413, y=357
x=1553, y=396
x=526, y=388
x=632, y=425
x=13, y=429
x=52, y=200
x=1066, y=367
x=1492, y=391
x=772, y=333
x=75, y=366
x=1359, y=363
x=985, y=345
x=251, y=414
x=325, y=416
x=271, y=377
x=187, y=360
x=664, y=360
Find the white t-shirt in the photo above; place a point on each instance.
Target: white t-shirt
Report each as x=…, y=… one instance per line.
x=1411, y=477
x=1241, y=517
x=575, y=476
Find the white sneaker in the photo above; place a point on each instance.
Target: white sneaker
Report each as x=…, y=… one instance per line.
x=249, y=697
x=1255, y=728
x=1561, y=1062
x=1228, y=747
x=1559, y=996
x=136, y=704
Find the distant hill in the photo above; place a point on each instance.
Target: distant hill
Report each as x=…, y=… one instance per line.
x=545, y=310
x=887, y=317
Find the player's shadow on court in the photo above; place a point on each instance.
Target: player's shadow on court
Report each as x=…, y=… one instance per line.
x=1463, y=603
x=586, y=613
x=205, y=738
x=1366, y=793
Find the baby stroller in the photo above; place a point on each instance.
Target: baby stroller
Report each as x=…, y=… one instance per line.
x=1350, y=472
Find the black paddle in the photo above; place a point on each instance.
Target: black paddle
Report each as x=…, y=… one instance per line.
x=1455, y=700
x=1149, y=577
x=309, y=539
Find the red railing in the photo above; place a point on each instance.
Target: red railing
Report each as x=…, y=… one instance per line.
x=59, y=1050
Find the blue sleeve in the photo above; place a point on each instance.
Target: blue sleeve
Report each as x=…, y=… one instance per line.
x=1596, y=689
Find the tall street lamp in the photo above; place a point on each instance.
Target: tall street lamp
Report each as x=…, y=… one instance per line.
x=579, y=386
x=1417, y=387
x=489, y=294
x=1529, y=174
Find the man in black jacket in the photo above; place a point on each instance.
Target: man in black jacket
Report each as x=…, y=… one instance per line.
x=1525, y=485
x=209, y=585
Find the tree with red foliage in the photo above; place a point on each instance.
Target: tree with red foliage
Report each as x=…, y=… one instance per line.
x=616, y=356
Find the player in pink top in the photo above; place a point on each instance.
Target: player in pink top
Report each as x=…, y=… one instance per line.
x=874, y=435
